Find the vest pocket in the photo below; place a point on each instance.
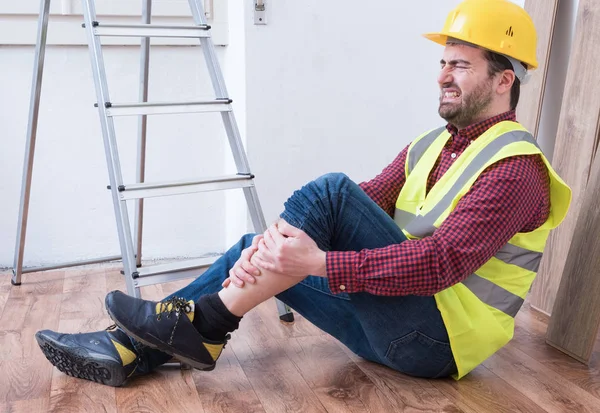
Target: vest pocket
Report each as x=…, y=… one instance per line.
x=419, y=355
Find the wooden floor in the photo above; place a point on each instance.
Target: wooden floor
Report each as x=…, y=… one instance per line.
x=268, y=367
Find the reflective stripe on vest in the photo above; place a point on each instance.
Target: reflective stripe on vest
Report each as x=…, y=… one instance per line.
x=421, y=146
x=494, y=295
x=423, y=225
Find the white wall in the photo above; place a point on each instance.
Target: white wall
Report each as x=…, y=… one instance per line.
x=341, y=85
x=71, y=215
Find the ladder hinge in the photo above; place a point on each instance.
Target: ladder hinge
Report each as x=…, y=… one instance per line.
x=135, y=275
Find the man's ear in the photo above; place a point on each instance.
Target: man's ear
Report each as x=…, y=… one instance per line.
x=505, y=82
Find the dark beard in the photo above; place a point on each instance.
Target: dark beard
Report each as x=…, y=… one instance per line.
x=471, y=107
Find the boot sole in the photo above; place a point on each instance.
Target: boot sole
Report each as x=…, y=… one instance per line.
x=81, y=363
x=163, y=347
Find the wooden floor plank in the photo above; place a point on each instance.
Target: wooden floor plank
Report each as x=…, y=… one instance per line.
x=299, y=328
x=231, y=402
x=86, y=282
x=24, y=379
x=545, y=387
x=26, y=406
x=114, y=279
x=227, y=377
x=5, y=288
x=82, y=305
x=407, y=393
x=338, y=382
x=280, y=387
x=255, y=340
x=46, y=287
x=15, y=312
x=19, y=344
x=164, y=390
x=530, y=338
x=45, y=312
x=71, y=395
x=483, y=391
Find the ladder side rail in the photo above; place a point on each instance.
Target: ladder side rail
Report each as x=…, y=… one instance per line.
x=142, y=132
x=110, y=148
x=34, y=105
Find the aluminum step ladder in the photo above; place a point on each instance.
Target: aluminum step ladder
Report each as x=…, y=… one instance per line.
x=135, y=275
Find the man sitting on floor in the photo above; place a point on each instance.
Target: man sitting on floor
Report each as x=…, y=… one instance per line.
x=422, y=268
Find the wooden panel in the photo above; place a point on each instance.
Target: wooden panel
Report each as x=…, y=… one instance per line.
x=543, y=13
x=575, y=141
x=573, y=327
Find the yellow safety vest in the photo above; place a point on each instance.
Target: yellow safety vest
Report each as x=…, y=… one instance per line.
x=479, y=311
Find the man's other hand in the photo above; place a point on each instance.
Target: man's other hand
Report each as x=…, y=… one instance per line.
x=243, y=271
x=288, y=250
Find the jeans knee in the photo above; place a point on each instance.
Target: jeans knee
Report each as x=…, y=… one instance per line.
x=332, y=180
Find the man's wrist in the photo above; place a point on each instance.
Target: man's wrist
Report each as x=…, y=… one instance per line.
x=321, y=265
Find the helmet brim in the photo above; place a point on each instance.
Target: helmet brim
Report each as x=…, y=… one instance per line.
x=441, y=39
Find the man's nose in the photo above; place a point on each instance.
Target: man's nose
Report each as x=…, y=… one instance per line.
x=444, y=77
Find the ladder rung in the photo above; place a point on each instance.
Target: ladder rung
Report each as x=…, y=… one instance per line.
x=174, y=271
x=150, y=30
x=162, y=108
x=219, y=183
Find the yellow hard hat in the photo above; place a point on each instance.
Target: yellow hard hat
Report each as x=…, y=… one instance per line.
x=497, y=25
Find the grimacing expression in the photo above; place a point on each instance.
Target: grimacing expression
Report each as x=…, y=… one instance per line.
x=466, y=89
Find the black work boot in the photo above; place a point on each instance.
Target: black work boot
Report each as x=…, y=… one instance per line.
x=166, y=326
x=106, y=357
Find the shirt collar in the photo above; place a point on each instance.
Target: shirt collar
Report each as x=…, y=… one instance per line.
x=475, y=130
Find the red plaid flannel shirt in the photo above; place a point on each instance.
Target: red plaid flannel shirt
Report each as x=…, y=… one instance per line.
x=510, y=196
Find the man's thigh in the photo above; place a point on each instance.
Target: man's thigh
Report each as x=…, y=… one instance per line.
x=404, y=333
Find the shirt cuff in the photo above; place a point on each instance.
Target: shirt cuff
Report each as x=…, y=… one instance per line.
x=342, y=267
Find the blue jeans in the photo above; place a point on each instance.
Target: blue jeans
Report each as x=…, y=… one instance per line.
x=405, y=333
